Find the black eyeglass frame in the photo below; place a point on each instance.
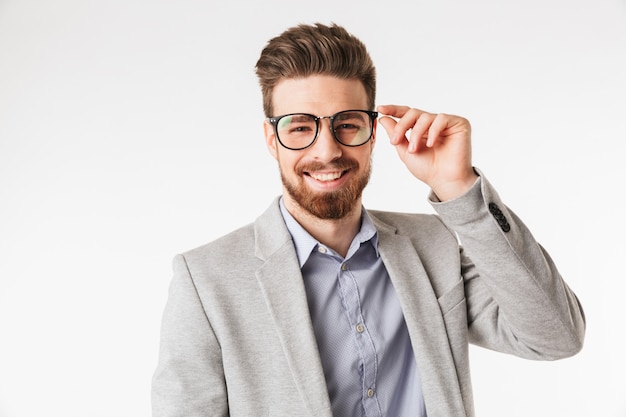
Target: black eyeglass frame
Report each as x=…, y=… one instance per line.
x=372, y=115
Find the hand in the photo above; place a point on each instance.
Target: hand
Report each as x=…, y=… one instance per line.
x=437, y=150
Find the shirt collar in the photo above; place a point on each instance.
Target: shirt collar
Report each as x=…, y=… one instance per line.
x=305, y=243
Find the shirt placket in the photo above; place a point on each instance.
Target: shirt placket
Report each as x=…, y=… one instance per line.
x=363, y=340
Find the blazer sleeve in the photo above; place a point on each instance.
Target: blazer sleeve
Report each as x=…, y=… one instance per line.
x=189, y=379
x=517, y=302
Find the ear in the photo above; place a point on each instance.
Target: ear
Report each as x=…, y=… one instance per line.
x=270, y=138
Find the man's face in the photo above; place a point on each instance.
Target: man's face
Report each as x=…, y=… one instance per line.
x=327, y=178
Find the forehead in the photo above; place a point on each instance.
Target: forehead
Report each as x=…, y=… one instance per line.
x=321, y=95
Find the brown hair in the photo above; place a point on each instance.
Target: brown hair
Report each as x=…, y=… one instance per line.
x=305, y=50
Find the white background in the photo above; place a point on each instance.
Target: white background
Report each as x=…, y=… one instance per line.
x=130, y=130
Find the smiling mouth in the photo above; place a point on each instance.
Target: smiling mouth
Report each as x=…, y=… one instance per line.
x=326, y=176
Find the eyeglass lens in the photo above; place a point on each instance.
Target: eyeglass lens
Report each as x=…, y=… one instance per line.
x=351, y=128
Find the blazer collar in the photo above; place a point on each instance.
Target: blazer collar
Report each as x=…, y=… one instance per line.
x=422, y=314
x=281, y=282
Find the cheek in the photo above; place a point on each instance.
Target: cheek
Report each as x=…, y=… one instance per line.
x=364, y=158
x=286, y=163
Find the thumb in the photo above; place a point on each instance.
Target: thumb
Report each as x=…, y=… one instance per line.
x=389, y=124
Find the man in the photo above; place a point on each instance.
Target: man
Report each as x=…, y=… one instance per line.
x=321, y=308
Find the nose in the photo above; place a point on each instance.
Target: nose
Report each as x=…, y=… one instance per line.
x=326, y=148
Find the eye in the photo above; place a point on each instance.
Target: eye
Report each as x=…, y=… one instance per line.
x=347, y=126
x=300, y=129
x=351, y=120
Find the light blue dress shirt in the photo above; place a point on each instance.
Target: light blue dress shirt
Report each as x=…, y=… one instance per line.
x=361, y=334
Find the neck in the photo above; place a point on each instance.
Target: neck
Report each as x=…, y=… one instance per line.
x=336, y=234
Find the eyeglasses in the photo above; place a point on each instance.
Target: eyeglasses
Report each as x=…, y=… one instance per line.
x=298, y=131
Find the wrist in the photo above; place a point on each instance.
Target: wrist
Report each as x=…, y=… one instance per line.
x=450, y=190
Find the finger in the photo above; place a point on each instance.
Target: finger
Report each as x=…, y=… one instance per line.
x=439, y=124
x=419, y=134
x=396, y=111
x=402, y=147
x=393, y=110
x=406, y=123
x=389, y=125
x=446, y=125
x=396, y=129
x=401, y=144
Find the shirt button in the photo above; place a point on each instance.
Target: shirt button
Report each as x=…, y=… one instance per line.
x=321, y=249
x=370, y=393
x=344, y=267
x=359, y=328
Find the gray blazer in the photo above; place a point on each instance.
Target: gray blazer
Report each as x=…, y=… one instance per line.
x=237, y=337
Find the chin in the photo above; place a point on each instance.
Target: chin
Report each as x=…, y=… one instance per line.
x=327, y=205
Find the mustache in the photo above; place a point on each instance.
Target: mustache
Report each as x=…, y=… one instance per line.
x=340, y=164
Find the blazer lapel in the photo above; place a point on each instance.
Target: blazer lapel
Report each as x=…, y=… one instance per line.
x=424, y=321
x=280, y=280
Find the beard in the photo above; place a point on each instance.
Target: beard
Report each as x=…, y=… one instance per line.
x=328, y=205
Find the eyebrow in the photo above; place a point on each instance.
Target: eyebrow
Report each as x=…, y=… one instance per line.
x=300, y=118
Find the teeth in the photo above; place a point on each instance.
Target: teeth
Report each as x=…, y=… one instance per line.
x=326, y=176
